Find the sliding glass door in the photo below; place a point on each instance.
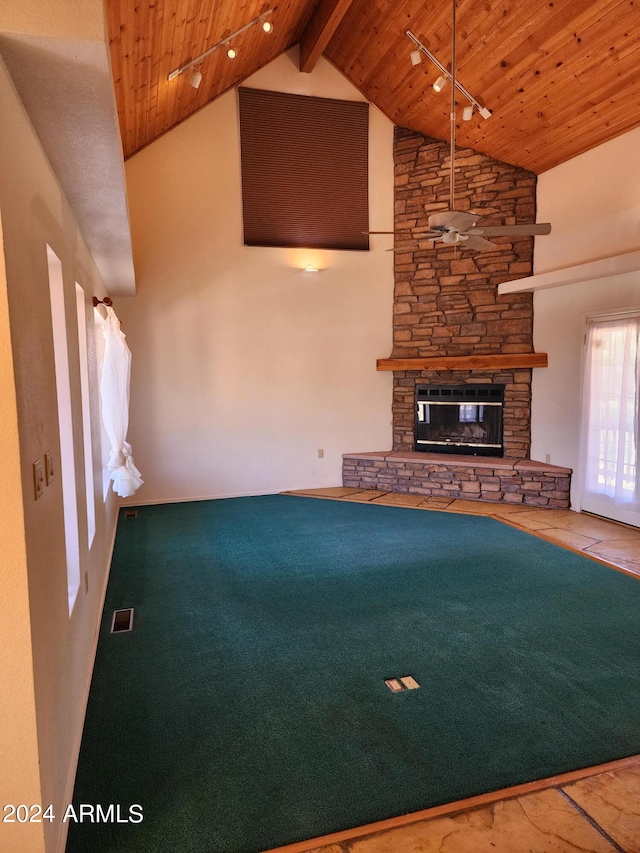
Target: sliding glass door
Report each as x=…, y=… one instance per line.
x=611, y=422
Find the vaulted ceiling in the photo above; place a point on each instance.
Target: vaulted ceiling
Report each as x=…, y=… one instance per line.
x=560, y=77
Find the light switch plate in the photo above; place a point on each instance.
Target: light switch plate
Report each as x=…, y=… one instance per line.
x=48, y=467
x=38, y=479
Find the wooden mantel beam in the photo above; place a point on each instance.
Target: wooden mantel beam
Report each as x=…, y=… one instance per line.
x=466, y=362
x=318, y=32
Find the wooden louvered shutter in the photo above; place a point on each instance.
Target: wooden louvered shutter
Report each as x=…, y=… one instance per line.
x=304, y=171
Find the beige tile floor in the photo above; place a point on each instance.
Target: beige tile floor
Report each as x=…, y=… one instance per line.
x=599, y=813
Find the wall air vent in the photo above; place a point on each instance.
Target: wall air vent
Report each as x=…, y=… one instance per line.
x=122, y=621
x=131, y=513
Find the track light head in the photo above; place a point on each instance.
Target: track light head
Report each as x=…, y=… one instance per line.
x=195, y=79
x=440, y=83
x=267, y=26
x=467, y=113
x=416, y=57
x=231, y=53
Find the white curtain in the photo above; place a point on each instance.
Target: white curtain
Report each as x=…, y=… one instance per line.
x=612, y=396
x=114, y=392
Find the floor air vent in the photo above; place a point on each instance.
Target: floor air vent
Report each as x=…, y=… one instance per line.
x=131, y=513
x=397, y=685
x=122, y=621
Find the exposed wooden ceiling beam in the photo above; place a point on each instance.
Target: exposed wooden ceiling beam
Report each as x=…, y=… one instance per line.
x=317, y=34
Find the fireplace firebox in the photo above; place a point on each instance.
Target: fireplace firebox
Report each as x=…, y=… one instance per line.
x=464, y=419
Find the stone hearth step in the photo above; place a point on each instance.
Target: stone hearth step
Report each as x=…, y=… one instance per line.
x=486, y=478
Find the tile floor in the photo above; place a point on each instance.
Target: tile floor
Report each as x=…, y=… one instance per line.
x=596, y=814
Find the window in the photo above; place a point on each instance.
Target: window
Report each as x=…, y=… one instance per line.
x=612, y=399
x=86, y=414
x=304, y=171
x=65, y=423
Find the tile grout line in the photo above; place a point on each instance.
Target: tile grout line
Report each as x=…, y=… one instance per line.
x=591, y=821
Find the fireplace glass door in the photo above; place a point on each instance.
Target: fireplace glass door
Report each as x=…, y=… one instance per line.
x=460, y=419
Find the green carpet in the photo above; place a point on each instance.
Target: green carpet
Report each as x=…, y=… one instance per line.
x=247, y=709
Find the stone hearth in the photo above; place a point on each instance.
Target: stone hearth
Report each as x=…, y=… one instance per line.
x=514, y=481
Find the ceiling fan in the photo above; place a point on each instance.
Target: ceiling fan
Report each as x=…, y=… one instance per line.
x=459, y=227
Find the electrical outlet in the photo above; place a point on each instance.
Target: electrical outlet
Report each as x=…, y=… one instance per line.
x=320, y=453
x=48, y=467
x=38, y=479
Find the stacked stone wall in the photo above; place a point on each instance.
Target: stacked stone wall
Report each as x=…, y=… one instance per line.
x=446, y=299
x=524, y=483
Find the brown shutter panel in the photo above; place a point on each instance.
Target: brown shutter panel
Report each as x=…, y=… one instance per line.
x=304, y=171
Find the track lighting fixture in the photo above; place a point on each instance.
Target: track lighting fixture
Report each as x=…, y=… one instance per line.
x=196, y=78
x=440, y=83
x=445, y=76
x=416, y=57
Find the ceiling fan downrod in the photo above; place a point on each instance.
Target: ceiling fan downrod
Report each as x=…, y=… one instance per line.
x=453, y=108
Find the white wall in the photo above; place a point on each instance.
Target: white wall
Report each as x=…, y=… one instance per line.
x=46, y=655
x=593, y=203
x=244, y=366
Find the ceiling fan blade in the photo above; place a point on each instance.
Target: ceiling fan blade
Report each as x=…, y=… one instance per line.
x=458, y=220
x=513, y=230
x=475, y=243
x=415, y=235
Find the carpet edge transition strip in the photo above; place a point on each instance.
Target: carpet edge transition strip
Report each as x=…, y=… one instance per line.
x=469, y=804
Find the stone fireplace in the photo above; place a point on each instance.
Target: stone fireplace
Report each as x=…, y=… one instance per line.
x=451, y=327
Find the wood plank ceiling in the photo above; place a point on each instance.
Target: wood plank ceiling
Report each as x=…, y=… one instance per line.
x=560, y=77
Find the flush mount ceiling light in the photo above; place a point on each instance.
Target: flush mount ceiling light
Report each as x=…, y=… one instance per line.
x=441, y=82
x=267, y=27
